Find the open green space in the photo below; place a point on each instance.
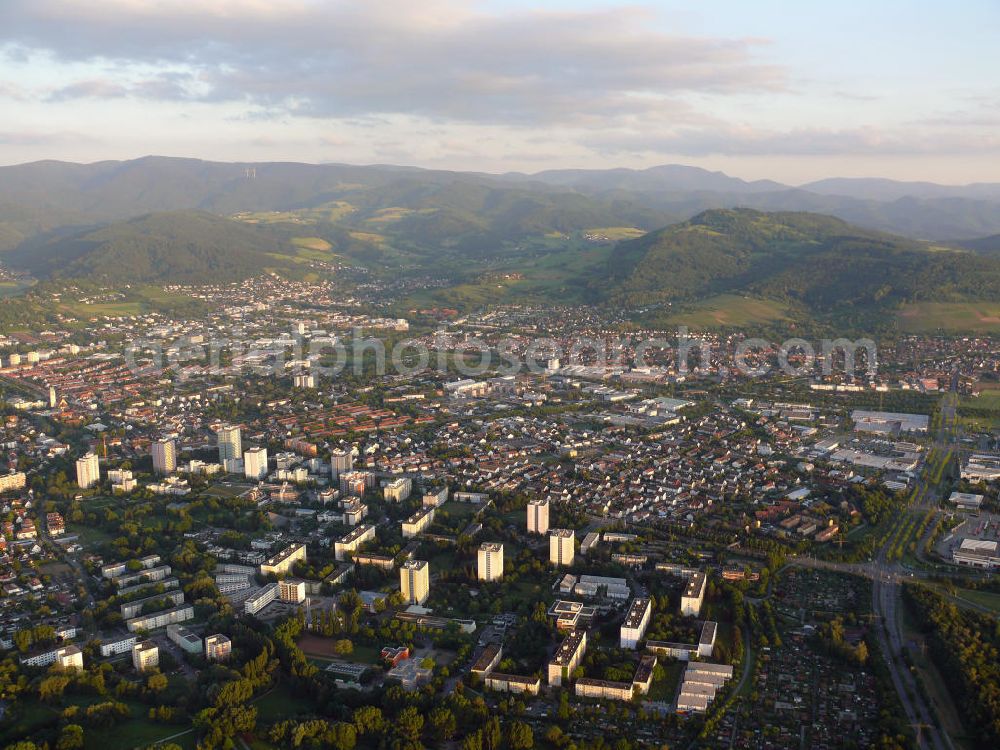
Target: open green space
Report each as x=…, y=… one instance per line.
x=965, y=317
x=730, y=310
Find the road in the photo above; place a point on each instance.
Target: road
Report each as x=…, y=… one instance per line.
x=887, y=577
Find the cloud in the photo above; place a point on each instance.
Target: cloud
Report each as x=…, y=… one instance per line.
x=442, y=59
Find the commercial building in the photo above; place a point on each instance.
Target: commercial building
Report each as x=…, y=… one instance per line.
x=976, y=553
x=571, y=615
x=292, y=590
x=982, y=467
x=890, y=423
x=184, y=638
x=218, y=647
x=88, y=471
x=567, y=657
x=538, y=515
x=415, y=581
x=490, y=561
x=260, y=599
x=282, y=563
x=164, y=457
x=636, y=622
x=562, y=546
x=351, y=542
x=418, y=522
x=966, y=501
x=694, y=594
x=255, y=463
x=230, y=442
x=594, y=586
x=145, y=655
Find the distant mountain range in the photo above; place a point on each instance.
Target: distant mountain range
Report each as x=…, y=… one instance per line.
x=472, y=206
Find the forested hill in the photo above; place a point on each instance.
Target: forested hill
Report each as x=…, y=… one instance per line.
x=177, y=246
x=819, y=261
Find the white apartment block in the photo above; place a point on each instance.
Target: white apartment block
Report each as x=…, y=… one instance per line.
x=230, y=442
x=292, y=590
x=122, y=646
x=160, y=619
x=260, y=599
x=88, y=471
x=341, y=462
x=282, y=563
x=398, y=489
x=69, y=657
x=562, y=546
x=418, y=522
x=351, y=542
x=490, y=561
x=218, y=647
x=538, y=515
x=255, y=463
x=636, y=622
x=164, y=456
x=567, y=657
x=694, y=594
x=145, y=655
x=415, y=581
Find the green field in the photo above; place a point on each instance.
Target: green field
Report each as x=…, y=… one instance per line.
x=965, y=317
x=730, y=310
x=311, y=243
x=616, y=234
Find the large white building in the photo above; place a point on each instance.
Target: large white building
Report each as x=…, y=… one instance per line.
x=145, y=655
x=282, y=563
x=562, y=546
x=341, y=462
x=636, y=622
x=260, y=599
x=567, y=657
x=351, y=542
x=164, y=456
x=69, y=657
x=88, y=471
x=230, y=443
x=538, y=515
x=218, y=647
x=415, y=581
x=417, y=522
x=398, y=489
x=255, y=463
x=694, y=594
x=490, y=561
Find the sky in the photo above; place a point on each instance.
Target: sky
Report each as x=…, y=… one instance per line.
x=905, y=89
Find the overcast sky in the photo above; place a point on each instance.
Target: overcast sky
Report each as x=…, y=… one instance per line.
x=792, y=91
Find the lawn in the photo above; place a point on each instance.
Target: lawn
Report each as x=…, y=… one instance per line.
x=987, y=599
x=666, y=688
x=968, y=317
x=279, y=704
x=730, y=310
